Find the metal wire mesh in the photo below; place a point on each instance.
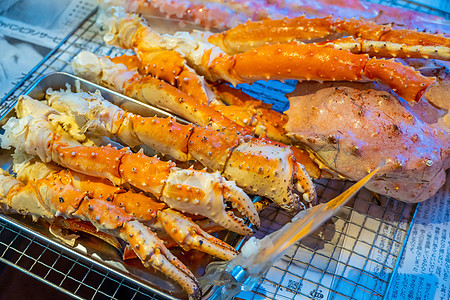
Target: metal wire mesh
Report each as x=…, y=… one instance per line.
x=420, y=6
x=54, y=267
x=352, y=257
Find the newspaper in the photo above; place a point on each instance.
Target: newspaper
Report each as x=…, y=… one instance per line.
x=30, y=29
x=43, y=23
x=424, y=270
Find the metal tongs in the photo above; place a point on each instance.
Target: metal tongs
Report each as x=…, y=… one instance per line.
x=227, y=279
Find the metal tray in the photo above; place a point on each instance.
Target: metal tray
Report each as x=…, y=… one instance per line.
x=90, y=248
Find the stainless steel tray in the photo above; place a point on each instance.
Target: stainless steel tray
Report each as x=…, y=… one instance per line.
x=90, y=248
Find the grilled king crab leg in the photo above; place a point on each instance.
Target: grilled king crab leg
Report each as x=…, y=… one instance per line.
x=127, y=80
x=122, y=74
x=367, y=37
x=293, y=60
x=51, y=197
x=156, y=215
x=259, y=167
x=171, y=67
x=192, y=191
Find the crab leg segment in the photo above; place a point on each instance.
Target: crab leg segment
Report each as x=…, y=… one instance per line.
x=216, y=150
x=315, y=62
x=249, y=35
x=388, y=49
x=208, y=14
x=406, y=82
x=147, y=173
x=288, y=61
x=141, y=207
x=387, y=41
x=52, y=197
x=151, y=90
x=190, y=236
x=251, y=163
x=171, y=67
x=152, y=252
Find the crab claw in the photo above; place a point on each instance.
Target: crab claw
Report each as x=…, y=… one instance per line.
x=207, y=194
x=305, y=185
x=189, y=235
x=152, y=252
x=256, y=163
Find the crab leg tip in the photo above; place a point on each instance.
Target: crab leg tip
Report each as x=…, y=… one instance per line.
x=190, y=236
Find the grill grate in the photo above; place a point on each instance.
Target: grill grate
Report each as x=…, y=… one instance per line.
x=351, y=257
x=64, y=272
x=438, y=8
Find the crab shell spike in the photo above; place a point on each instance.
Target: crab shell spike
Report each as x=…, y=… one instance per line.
x=203, y=194
x=405, y=81
x=189, y=235
x=152, y=252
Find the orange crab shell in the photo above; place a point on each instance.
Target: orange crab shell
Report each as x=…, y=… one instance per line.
x=102, y=214
x=256, y=34
x=100, y=161
x=150, y=175
x=409, y=37
x=290, y=61
x=360, y=28
x=138, y=205
x=212, y=148
x=406, y=82
x=159, y=132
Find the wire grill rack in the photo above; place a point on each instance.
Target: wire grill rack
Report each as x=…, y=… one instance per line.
x=439, y=8
x=60, y=270
x=351, y=257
